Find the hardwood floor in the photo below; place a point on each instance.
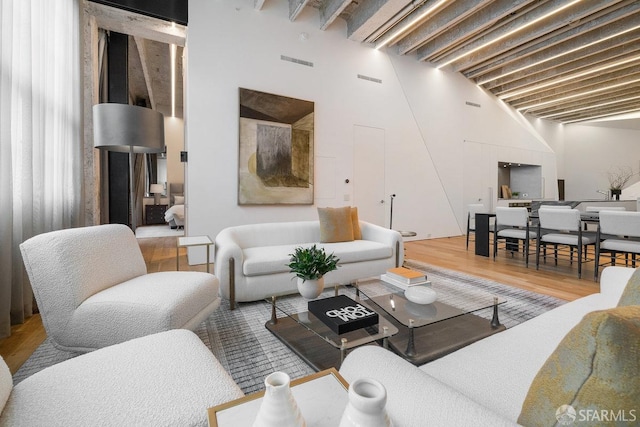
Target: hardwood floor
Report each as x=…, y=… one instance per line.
x=560, y=281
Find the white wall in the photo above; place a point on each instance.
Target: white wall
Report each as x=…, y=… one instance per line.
x=174, y=137
x=426, y=124
x=587, y=151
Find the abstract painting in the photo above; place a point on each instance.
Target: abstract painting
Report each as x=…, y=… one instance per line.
x=275, y=149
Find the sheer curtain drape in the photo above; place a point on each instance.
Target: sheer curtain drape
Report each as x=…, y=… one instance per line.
x=40, y=136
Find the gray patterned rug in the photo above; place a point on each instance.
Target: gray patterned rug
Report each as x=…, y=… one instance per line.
x=249, y=352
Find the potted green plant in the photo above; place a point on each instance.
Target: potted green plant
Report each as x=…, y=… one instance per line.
x=310, y=265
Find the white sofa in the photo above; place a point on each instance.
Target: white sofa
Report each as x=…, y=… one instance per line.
x=251, y=260
x=485, y=383
x=165, y=379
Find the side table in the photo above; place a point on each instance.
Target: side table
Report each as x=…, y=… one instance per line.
x=185, y=242
x=154, y=214
x=322, y=398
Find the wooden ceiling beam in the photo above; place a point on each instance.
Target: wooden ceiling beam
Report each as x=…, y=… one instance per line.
x=599, y=28
x=601, y=84
x=612, y=48
x=122, y=21
x=571, y=69
x=509, y=36
x=373, y=15
x=330, y=10
x=295, y=7
x=613, y=96
x=450, y=34
x=438, y=22
x=144, y=60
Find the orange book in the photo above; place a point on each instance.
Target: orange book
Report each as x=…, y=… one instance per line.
x=406, y=275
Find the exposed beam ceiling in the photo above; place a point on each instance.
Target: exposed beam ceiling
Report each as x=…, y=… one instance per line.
x=565, y=60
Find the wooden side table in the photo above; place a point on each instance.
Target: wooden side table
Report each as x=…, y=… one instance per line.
x=154, y=214
x=322, y=398
x=185, y=242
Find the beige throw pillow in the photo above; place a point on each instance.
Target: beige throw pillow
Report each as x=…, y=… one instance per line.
x=595, y=367
x=355, y=224
x=335, y=224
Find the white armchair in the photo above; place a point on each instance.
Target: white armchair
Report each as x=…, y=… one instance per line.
x=93, y=290
x=164, y=379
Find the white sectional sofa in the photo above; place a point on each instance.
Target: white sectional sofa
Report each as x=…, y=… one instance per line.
x=485, y=383
x=251, y=260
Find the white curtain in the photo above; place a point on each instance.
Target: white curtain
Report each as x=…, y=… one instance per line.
x=40, y=136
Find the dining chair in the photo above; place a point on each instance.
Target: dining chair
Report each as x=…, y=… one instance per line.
x=512, y=226
x=618, y=233
x=562, y=227
x=472, y=210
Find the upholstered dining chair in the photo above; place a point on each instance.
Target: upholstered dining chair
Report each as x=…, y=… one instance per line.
x=472, y=210
x=618, y=233
x=93, y=290
x=562, y=227
x=512, y=226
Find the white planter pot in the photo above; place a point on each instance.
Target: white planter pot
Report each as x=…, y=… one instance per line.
x=366, y=407
x=310, y=289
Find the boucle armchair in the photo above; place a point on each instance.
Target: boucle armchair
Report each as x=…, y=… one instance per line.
x=93, y=290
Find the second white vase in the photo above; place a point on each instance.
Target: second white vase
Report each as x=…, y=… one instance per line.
x=366, y=407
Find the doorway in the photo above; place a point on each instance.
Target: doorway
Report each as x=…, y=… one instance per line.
x=369, y=173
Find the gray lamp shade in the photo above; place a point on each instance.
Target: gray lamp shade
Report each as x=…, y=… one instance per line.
x=122, y=127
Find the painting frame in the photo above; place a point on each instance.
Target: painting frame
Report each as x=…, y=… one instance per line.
x=275, y=149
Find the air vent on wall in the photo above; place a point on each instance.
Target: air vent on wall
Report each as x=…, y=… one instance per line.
x=371, y=79
x=473, y=104
x=296, y=60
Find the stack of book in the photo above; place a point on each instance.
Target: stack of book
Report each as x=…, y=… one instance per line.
x=403, y=277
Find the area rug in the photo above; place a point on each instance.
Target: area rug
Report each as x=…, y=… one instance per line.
x=249, y=352
x=151, y=231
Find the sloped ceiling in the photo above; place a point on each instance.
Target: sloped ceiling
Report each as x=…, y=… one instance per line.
x=564, y=60
x=149, y=68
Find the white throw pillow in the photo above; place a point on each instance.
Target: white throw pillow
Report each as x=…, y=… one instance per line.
x=178, y=200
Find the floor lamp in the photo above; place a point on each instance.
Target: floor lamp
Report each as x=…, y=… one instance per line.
x=128, y=129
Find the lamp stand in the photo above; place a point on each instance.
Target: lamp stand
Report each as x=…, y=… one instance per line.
x=393, y=196
x=132, y=195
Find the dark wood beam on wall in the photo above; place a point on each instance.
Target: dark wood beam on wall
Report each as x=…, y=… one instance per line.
x=118, y=92
x=168, y=10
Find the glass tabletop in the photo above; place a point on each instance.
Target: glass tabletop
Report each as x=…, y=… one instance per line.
x=450, y=303
x=284, y=306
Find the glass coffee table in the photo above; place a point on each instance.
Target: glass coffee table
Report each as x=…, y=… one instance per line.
x=312, y=340
x=430, y=331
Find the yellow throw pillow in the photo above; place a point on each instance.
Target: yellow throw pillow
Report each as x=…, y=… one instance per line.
x=355, y=224
x=335, y=225
x=631, y=293
x=594, y=368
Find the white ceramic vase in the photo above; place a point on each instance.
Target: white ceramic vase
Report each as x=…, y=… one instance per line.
x=310, y=289
x=278, y=408
x=366, y=407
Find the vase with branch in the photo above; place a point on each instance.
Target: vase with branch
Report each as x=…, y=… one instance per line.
x=618, y=178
